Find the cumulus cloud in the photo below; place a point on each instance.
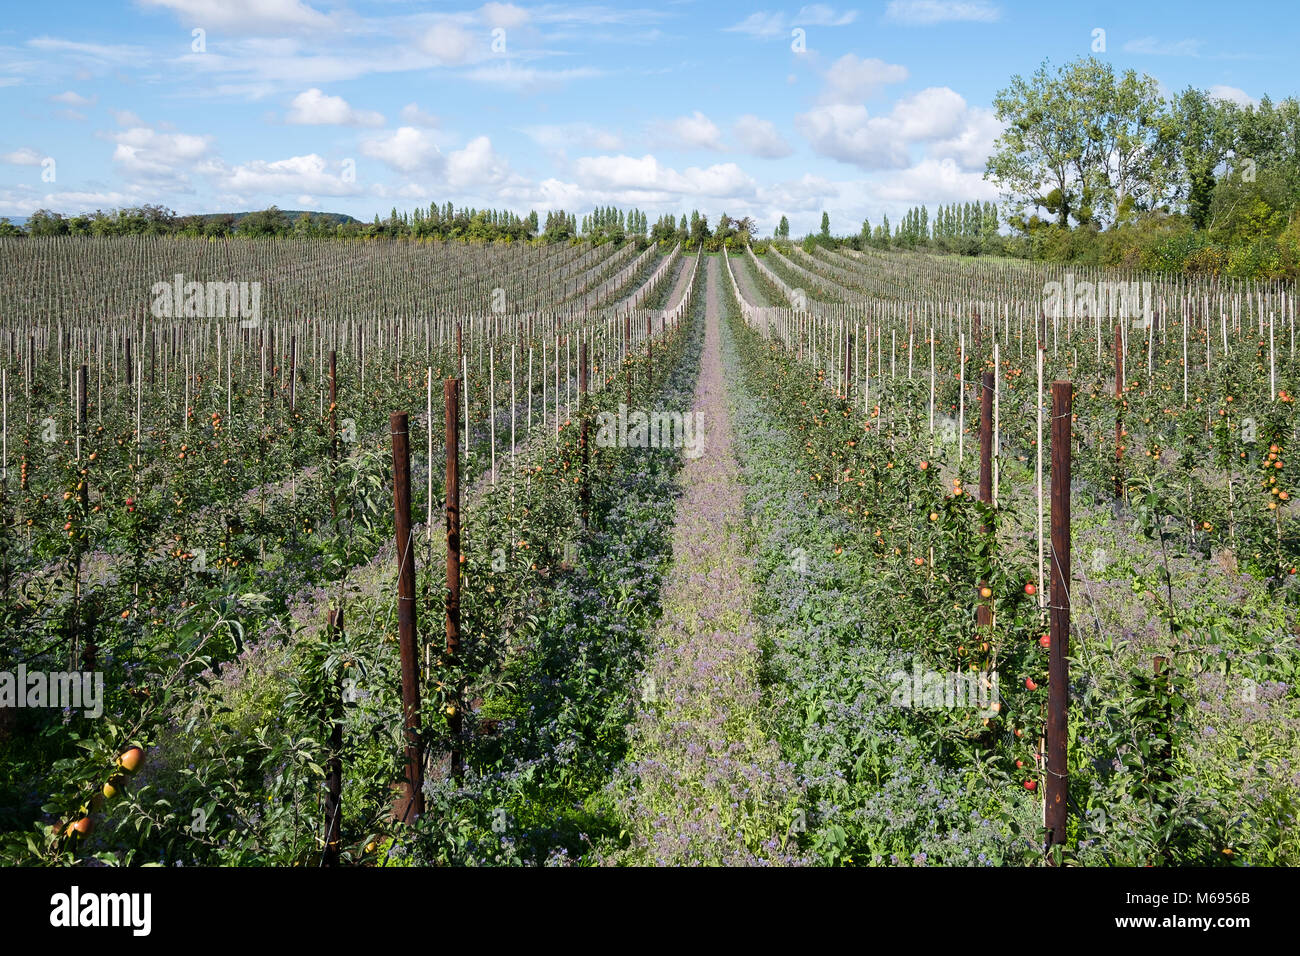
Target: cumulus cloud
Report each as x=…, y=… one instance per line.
x=646, y=177
x=933, y=181
x=503, y=15
x=412, y=114
x=973, y=143
x=929, y=12
x=406, y=149
x=298, y=174
x=851, y=135
x=936, y=115
x=162, y=158
x=24, y=202
x=314, y=108
x=476, y=165
x=126, y=118
x=805, y=194
x=759, y=137
x=447, y=43
x=1232, y=94
x=696, y=131
x=414, y=151
x=850, y=79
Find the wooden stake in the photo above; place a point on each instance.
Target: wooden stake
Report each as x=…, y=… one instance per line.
x=411, y=804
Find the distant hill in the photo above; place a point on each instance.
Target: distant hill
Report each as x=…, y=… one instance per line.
x=334, y=218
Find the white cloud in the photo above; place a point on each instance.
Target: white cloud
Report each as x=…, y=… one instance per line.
x=72, y=98
x=298, y=174
x=245, y=16
x=768, y=25
x=126, y=118
x=447, y=43
x=936, y=115
x=413, y=152
x=1156, y=47
x=99, y=54
x=23, y=203
x=759, y=137
x=932, y=113
x=412, y=114
x=162, y=158
x=850, y=79
x=1232, y=94
x=972, y=144
x=761, y=25
x=929, y=12
x=505, y=15
x=26, y=156
x=851, y=135
x=407, y=149
x=314, y=108
x=559, y=137
x=528, y=79
x=476, y=165
x=820, y=15
x=696, y=131
x=933, y=181
x=631, y=177
x=804, y=194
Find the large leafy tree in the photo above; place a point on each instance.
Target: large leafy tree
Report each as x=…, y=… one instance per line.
x=1082, y=142
x=1034, y=160
x=1198, y=131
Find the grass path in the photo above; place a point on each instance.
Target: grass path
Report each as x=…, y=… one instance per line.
x=704, y=784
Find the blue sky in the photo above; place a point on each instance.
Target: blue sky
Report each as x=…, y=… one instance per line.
x=360, y=105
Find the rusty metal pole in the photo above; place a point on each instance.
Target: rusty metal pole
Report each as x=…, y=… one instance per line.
x=649, y=352
x=984, y=613
x=585, y=495
x=1119, y=411
x=293, y=372
x=627, y=349
x=451, y=403
x=1057, y=673
x=334, y=766
x=412, y=802
x=130, y=369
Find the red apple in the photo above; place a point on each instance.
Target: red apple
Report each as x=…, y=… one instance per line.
x=130, y=760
